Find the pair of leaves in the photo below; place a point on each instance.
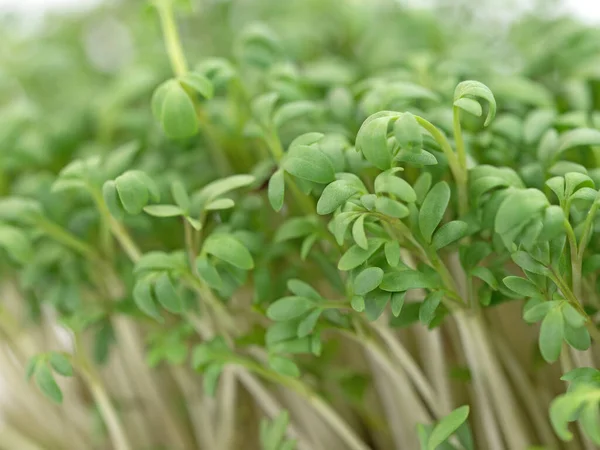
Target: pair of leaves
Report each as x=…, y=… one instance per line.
x=129, y=192
x=160, y=288
x=560, y=322
x=173, y=106
x=463, y=99
x=41, y=368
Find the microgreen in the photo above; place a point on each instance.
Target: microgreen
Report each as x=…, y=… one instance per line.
x=373, y=232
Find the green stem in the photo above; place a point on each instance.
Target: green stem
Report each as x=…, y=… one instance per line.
x=574, y=301
x=59, y=234
x=171, y=34
x=180, y=67
x=461, y=181
x=343, y=430
x=118, y=230
x=588, y=227
x=109, y=414
x=459, y=172
x=575, y=267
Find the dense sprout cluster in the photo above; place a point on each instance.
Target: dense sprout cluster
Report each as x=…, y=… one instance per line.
x=344, y=226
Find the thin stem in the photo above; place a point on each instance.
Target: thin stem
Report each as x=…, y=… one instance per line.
x=458, y=138
x=342, y=429
x=570, y=296
x=442, y=140
x=171, y=34
x=587, y=227
x=575, y=269
x=118, y=230
x=59, y=234
x=107, y=410
x=461, y=182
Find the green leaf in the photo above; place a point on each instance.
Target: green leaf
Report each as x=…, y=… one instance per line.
x=371, y=140
x=551, y=335
x=429, y=307
x=208, y=273
x=521, y=286
x=335, y=195
x=46, y=383
x=392, y=253
x=219, y=204
x=284, y=366
x=294, y=228
x=294, y=110
x=210, y=378
x=562, y=410
x=391, y=208
x=518, y=209
x=358, y=303
x=229, y=249
x=416, y=157
x=572, y=316
x=158, y=99
x=554, y=220
x=132, y=191
x=407, y=132
x=307, y=245
x=303, y=289
x=578, y=338
x=61, y=364
x=178, y=114
x=433, y=209
x=288, y=308
x=485, y=274
x=422, y=185
x=201, y=356
x=307, y=139
x=355, y=256
x=449, y=233
x=526, y=262
x=405, y=280
x=142, y=295
x=309, y=163
x=163, y=210
x=375, y=303
x=180, y=195
x=220, y=187
x=590, y=422
x=397, y=302
x=16, y=244
x=476, y=89
x=447, y=426
x=198, y=83
x=388, y=183
x=577, y=138
x=536, y=309
x=273, y=434
x=307, y=325
x=469, y=105
x=166, y=294
x=155, y=261
x=367, y=280
x=111, y=198
x=276, y=191
x=358, y=232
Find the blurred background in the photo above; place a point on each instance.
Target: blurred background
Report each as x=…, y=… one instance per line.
x=588, y=10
